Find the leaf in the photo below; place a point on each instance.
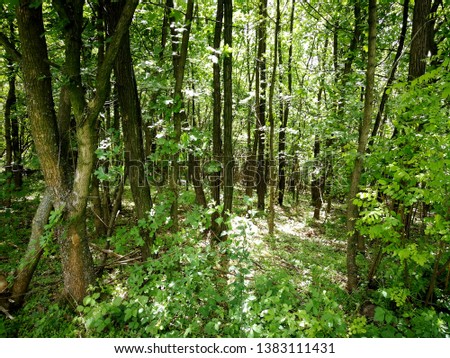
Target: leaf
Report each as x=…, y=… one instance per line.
x=379, y=314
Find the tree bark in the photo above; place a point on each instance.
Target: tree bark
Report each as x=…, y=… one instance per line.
x=30, y=260
x=228, y=163
x=285, y=115
x=69, y=196
x=352, y=209
x=260, y=93
x=419, y=39
x=272, y=173
x=217, y=114
x=179, y=56
x=131, y=115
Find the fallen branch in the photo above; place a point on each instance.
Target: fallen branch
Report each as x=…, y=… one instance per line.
x=7, y=314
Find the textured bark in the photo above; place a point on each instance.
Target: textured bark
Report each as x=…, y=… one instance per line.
x=217, y=113
x=272, y=172
x=179, y=56
x=67, y=195
x=285, y=115
x=30, y=260
x=228, y=162
x=352, y=209
x=261, y=86
x=130, y=110
x=419, y=39
x=37, y=81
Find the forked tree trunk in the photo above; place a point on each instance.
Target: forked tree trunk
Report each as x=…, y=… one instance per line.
x=70, y=197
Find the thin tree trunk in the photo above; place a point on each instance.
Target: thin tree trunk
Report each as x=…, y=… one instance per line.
x=285, y=115
x=228, y=163
x=261, y=85
x=10, y=116
x=179, y=56
x=385, y=96
x=30, y=260
x=130, y=110
x=272, y=173
x=217, y=114
x=352, y=209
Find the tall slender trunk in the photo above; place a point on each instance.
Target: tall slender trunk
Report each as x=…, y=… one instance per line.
x=10, y=118
x=261, y=85
x=385, y=96
x=131, y=115
x=217, y=114
x=352, y=209
x=228, y=163
x=30, y=260
x=179, y=56
x=272, y=172
x=285, y=115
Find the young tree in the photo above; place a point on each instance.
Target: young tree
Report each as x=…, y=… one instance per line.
x=352, y=209
x=228, y=107
x=130, y=110
x=260, y=93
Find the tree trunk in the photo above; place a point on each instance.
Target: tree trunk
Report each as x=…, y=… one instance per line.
x=261, y=85
x=10, y=117
x=228, y=163
x=76, y=259
x=217, y=114
x=272, y=173
x=179, y=56
x=352, y=209
x=385, y=96
x=30, y=260
x=130, y=110
x=419, y=39
x=285, y=115
x=316, y=194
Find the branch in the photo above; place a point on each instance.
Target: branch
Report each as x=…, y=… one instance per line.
x=10, y=49
x=15, y=55
x=104, y=72
x=5, y=311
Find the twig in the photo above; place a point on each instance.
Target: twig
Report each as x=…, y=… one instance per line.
x=7, y=314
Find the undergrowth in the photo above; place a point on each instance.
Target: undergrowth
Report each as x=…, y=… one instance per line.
x=251, y=285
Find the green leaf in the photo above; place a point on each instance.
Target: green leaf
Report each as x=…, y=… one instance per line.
x=379, y=314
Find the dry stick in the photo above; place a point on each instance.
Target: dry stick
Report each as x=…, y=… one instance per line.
x=7, y=314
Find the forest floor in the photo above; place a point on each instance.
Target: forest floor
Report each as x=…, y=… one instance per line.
x=290, y=284
x=305, y=248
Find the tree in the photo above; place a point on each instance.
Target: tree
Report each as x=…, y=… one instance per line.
x=260, y=94
x=130, y=110
x=228, y=107
x=352, y=209
x=69, y=196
